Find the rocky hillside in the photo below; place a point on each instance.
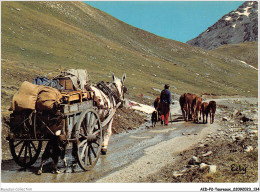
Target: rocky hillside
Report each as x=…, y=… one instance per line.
x=235, y=27
x=40, y=37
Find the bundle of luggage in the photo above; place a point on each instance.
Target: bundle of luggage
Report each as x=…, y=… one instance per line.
x=45, y=94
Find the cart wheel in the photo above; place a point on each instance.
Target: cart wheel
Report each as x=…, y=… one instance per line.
x=89, y=139
x=25, y=153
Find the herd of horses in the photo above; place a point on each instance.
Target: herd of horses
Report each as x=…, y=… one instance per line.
x=192, y=107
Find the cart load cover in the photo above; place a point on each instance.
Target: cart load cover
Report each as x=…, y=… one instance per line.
x=79, y=77
x=48, y=97
x=25, y=97
x=29, y=96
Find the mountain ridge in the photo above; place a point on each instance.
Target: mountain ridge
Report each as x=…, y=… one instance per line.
x=235, y=27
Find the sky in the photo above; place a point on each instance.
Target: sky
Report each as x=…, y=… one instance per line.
x=176, y=20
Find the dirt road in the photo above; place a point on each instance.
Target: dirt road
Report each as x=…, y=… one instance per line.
x=139, y=151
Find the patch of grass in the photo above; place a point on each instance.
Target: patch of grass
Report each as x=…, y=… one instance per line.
x=230, y=159
x=253, y=155
x=247, y=52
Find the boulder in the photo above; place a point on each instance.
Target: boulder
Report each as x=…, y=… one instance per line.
x=203, y=165
x=193, y=161
x=239, y=137
x=236, y=113
x=201, y=145
x=207, y=154
x=245, y=119
x=212, y=168
x=224, y=119
x=250, y=131
x=176, y=174
x=183, y=170
x=248, y=149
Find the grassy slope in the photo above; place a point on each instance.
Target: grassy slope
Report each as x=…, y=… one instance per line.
x=247, y=52
x=39, y=37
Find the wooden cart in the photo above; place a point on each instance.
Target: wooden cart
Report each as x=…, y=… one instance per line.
x=76, y=120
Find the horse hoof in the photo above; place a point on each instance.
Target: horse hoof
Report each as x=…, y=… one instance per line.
x=39, y=172
x=103, y=151
x=56, y=172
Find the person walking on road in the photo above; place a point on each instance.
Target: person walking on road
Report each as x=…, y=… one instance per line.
x=165, y=104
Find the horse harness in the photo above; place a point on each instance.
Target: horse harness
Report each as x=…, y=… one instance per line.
x=109, y=92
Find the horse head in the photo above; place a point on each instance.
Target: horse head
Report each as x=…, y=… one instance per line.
x=119, y=88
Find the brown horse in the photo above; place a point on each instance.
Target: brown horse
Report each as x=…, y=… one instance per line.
x=189, y=105
x=197, y=102
x=182, y=105
x=205, y=111
x=212, y=110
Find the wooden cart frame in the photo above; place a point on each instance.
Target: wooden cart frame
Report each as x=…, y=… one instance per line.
x=81, y=126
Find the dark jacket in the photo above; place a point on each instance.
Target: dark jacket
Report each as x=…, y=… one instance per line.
x=165, y=101
x=166, y=96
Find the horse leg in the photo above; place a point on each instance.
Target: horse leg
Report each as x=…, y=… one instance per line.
x=191, y=112
x=194, y=114
x=187, y=112
x=183, y=115
x=199, y=116
x=63, y=153
x=107, y=135
x=39, y=172
x=45, y=156
x=55, y=164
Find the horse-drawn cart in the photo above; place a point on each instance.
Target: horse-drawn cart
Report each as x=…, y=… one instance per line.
x=74, y=120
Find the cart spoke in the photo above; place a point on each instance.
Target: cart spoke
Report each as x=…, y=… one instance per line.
x=84, y=136
x=86, y=155
x=18, y=143
x=84, y=127
x=82, y=143
x=90, y=122
x=96, y=133
x=30, y=151
x=83, y=151
x=25, y=153
x=93, y=151
x=32, y=144
x=93, y=125
x=97, y=143
x=89, y=156
x=86, y=122
x=21, y=150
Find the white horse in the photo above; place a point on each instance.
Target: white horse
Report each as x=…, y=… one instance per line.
x=109, y=98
